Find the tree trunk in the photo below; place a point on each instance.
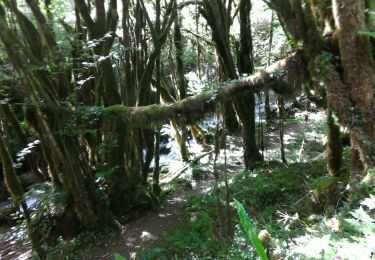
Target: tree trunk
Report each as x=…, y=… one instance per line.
x=280, y=103
x=334, y=146
x=245, y=106
x=267, y=107
x=358, y=73
x=181, y=82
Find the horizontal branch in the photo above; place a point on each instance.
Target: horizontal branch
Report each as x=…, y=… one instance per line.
x=284, y=77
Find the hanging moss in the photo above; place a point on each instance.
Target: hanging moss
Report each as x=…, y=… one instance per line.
x=284, y=77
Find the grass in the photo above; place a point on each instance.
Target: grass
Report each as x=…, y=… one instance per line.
x=272, y=188
x=280, y=199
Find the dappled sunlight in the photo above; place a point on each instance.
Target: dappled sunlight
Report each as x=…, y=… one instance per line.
x=12, y=246
x=176, y=129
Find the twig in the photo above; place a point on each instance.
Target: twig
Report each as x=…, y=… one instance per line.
x=298, y=201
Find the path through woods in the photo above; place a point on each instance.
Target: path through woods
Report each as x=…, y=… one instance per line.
x=148, y=231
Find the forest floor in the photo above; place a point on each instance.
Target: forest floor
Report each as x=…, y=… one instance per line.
x=11, y=247
x=149, y=230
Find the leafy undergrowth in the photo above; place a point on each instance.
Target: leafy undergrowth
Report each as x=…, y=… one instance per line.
x=350, y=234
x=271, y=193
x=296, y=232
x=289, y=202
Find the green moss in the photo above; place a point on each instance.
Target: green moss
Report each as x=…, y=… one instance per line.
x=274, y=184
x=323, y=185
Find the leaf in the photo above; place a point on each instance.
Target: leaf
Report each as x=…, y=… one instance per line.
x=119, y=257
x=249, y=231
x=369, y=202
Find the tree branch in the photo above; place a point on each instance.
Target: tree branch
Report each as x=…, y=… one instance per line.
x=284, y=77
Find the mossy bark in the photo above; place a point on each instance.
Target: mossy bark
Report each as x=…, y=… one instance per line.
x=181, y=82
x=334, y=146
x=192, y=109
x=350, y=88
x=245, y=104
x=51, y=118
x=218, y=17
x=267, y=107
x=358, y=73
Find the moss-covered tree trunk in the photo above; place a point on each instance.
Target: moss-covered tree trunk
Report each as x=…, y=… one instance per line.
x=181, y=82
x=219, y=19
x=156, y=171
x=245, y=104
x=334, y=146
x=52, y=118
x=358, y=73
x=350, y=89
x=267, y=107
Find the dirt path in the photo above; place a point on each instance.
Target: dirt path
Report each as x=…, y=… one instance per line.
x=148, y=231
x=12, y=249
x=143, y=233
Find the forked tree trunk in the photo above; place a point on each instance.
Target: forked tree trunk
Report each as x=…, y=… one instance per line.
x=219, y=20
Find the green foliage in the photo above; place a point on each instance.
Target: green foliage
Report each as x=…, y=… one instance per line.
x=345, y=236
x=204, y=202
x=369, y=202
x=88, y=118
x=194, y=239
x=105, y=172
x=273, y=185
x=322, y=185
x=249, y=231
x=80, y=246
x=50, y=205
x=108, y=144
x=367, y=33
x=84, y=120
x=119, y=257
x=198, y=171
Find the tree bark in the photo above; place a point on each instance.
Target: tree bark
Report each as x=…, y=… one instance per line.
x=245, y=104
x=358, y=73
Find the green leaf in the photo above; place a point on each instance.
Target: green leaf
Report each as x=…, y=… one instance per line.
x=119, y=257
x=249, y=230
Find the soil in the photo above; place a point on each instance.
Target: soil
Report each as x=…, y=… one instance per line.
x=148, y=231
x=11, y=248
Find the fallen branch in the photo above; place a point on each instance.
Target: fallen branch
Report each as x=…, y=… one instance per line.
x=284, y=77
